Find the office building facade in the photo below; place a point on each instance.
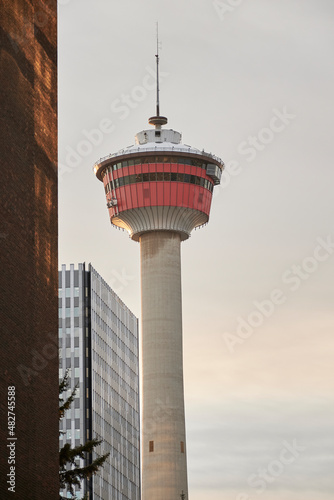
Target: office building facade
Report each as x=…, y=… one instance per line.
x=98, y=340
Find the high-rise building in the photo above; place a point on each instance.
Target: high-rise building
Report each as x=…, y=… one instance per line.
x=98, y=338
x=28, y=248
x=159, y=190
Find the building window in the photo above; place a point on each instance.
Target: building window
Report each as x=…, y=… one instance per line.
x=182, y=447
x=151, y=446
x=163, y=176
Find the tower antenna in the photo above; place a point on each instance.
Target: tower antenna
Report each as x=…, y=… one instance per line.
x=157, y=59
x=157, y=120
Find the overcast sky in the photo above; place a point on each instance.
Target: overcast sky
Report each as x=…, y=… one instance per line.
x=252, y=82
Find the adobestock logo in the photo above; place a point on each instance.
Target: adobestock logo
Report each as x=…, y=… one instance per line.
x=255, y=144
x=265, y=308
x=225, y=7
x=121, y=107
x=278, y=122
x=85, y=147
x=37, y=20
x=275, y=468
x=138, y=94
x=119, y=280
x=39, y=359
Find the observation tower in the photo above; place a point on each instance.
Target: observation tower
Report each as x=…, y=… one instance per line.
x=159, y=190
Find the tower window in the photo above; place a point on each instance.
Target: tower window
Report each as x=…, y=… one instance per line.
x=151, y=446
x=157, y=133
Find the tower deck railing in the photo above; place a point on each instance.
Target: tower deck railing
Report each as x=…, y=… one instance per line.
x=140, y=149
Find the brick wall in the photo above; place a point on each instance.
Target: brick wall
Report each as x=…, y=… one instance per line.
x=28, y=244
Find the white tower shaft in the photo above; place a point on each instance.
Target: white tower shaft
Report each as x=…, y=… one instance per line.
x=164, y=466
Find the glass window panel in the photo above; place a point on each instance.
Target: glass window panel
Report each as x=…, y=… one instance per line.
x=166, y=176
x=153, y=176
x=146, y=177
x=160, y=176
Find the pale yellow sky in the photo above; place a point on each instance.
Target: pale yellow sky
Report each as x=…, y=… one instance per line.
x=252, y=83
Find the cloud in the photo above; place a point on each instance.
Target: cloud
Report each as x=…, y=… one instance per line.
x=227, y=445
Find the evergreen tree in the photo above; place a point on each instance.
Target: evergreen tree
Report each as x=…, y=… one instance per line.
x=69, y=477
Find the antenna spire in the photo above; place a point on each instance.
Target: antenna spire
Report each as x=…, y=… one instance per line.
x=157, y=59
x=157, y=120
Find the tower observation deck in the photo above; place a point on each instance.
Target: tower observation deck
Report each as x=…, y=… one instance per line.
x=159, y=190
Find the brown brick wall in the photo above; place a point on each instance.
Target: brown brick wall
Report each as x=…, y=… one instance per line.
x=28, y=244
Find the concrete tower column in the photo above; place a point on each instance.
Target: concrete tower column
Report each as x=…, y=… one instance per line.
x=164, y=465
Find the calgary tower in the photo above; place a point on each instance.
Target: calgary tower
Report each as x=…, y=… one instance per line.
x=159, y=190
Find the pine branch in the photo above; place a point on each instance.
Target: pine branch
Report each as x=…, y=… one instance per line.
x=69, y=478
x=63, y=386
x=72, y=477
x=67, y=454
